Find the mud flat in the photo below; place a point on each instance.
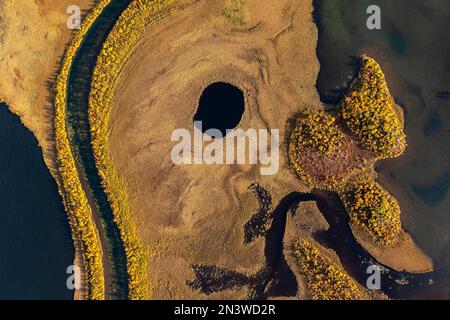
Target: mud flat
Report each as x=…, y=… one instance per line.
x=404, y=256
x=33, y=36
x=265, y=49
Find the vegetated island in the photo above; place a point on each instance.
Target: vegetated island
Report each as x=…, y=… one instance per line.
x=337, y=151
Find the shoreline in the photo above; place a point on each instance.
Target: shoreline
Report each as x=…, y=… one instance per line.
x=117, y=48
x=327, y=99
x=38, y=119
x=77, y=204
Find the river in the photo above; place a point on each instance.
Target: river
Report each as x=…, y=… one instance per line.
x=36, y=244
x=114, y=259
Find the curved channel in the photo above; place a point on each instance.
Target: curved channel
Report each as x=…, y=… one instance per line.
x=339, y=238
x=114, y=259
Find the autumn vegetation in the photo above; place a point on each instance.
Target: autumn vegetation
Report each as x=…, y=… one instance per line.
x=368, y=111
x=120, y=43
x=338, y=153
x=324, y=279
x=74, y=198
x=375, y=210
x=367, y=115
x=320, y=153
x=318, y=132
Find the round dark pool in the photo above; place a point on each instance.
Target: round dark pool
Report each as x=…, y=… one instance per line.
x=221, y=107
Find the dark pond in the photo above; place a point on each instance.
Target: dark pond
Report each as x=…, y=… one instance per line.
x=35, y=242
x=220, y=107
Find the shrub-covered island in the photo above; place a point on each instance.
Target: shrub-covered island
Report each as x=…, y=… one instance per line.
x=338, y=153
x=324, y=279
x=368, y=111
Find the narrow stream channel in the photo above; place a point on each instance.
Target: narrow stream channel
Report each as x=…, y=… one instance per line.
x=339, y=238
x=114, y=258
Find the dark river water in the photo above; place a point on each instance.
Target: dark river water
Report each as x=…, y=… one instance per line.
x=36, y=245
x=413, y=48
x=114, y=260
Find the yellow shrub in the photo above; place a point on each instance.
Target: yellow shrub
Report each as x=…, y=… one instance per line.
x=71, y=190
x=319, y=152
x=324, y=279
x=375, y=210
x=116, y=49
x=317, y=131
x=368, y=111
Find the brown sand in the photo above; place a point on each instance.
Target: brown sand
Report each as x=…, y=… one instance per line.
x=306, y=222
x=33, y=36
x=195, y=214
x=404, y=256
